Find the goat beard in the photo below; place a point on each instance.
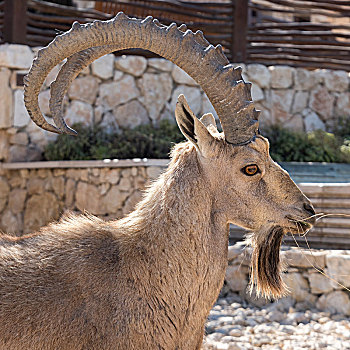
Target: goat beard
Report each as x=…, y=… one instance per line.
x=266, y=269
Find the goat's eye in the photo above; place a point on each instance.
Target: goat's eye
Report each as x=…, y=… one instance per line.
x=251, y=170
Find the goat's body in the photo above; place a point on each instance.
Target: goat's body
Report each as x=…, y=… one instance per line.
x=145, y=282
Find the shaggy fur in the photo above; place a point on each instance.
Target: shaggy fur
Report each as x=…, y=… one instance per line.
x=149, y=280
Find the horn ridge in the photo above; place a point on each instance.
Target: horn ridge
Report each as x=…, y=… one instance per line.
x=84, y=43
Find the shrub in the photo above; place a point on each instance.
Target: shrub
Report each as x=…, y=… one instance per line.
x=316, y=146
x=144, y=141
x=147, y=141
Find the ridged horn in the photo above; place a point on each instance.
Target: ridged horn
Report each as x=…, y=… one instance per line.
x=207, y=65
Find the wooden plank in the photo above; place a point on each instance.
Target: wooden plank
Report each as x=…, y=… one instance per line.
x=15, y=21
x=239, y=30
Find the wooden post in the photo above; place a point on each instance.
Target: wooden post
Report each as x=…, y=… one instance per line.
x=15, y=21
x=239, y=32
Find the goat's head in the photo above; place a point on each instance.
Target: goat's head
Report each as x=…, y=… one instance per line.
x=248, y=187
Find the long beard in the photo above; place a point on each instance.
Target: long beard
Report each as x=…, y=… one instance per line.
x=265, y=263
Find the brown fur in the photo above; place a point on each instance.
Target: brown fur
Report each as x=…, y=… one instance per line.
x=149, y=280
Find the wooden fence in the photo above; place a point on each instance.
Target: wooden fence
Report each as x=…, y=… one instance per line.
x=306, y=33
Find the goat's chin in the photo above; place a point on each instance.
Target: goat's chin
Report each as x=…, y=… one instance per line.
x=266, y=267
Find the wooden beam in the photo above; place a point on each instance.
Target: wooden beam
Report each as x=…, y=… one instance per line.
x=15, y=21
x=240, y=26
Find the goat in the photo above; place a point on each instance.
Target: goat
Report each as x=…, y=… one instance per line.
x=149, y=280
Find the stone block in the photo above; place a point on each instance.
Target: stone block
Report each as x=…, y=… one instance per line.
x=161, y=64
x=84, y=89
x=342, y=106
x=118, y=75
x=17, y=198
x=134, y=65
x=336, y=80
x=257, y=93
x=334, y=302
x=259, y=74
x=40, y=210
x=297, y=285
x=21, y=117
x=103, y=67
x=6, y=98
x=304, y=79
x=156, y=91
x=321, y=101
x=117, y=92
x=319, y=284
x=11, y=223
x=113, y=201
x=153, y=172
x=281, y=77
x=281, y=103
x=88, y=199
x=131, y=201
x=181, y=77
x=44, y=102
x=4, y=145
x=235, y=278
x=16, y=56
x=131, y=114
x=312, y=121
x=193, y=97
x=79, y=112
x=295, y=123
x=4, y=188
x=300, y=101
x=304, y=258
x=338, y=267
x=20, y=138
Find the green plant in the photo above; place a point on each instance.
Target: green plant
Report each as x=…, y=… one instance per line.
x=144, y=141
x=316, y=146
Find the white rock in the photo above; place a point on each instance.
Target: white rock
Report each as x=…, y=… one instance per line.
x=84, y=89
x=297, y=284
x=259, y=74
x=16, y=56
x=181, y=77
x=335, y=302
x=281, y=102
x=342, y=107
x=6, y=99
x=21, y=116
x=295, y=123
x=193, y=97
x=305, y=258
x=131, y=114
x=336, y=80
x=321, y=101
x=338, y=267
x=103, y=67
x=257, y=93
x=319, y=284
x=235, y=278
x=305, y=79
x=161, y=64
x=117, y=92
x=300, y=101
x=312, y=121
x=134, y=65
x=156, y=91
x=117, y=75
x=79, y=112
x=281, y=76
x=44, y=99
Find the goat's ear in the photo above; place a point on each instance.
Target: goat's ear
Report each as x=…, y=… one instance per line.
x=191, y=127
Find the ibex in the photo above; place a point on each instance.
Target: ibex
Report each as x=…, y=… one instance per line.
x=149, y=280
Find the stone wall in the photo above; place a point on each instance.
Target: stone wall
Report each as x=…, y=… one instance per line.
x=118, y=92
x=308, y=287
x=31, y=197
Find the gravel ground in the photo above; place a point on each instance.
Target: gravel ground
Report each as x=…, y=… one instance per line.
x=235, y=324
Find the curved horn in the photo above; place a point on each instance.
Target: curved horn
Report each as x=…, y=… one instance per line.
x=223, y=84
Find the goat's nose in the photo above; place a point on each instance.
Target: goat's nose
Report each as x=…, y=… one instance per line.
x=310, y=209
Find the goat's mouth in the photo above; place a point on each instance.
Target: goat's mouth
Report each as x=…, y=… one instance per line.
x=299, y=226
x=265, y=263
